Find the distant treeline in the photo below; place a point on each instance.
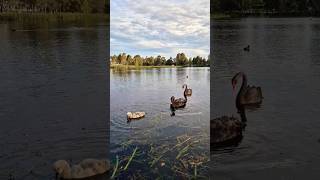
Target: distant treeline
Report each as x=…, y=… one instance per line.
x=276, y=7
x=180, y=60
x=55, y=6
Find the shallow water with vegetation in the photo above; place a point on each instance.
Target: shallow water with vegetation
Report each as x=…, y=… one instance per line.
x=281, y=139
x=159, y=145
x=52, y=101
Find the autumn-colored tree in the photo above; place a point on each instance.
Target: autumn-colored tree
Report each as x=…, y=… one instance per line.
x=114, y=59
x=138, y=61
x=130, y=60
x=122, y=58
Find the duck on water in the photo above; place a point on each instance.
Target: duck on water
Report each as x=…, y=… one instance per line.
x=247, y=48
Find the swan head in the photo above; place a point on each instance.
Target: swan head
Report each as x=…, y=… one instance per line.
x=234, y=82
x=184, y=85
x=60, y=167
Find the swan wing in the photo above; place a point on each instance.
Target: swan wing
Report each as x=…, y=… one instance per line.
x=180, y=100
x=253, y=95
x=225, y=128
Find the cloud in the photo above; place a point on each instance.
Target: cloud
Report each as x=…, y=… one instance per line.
x=150, y=27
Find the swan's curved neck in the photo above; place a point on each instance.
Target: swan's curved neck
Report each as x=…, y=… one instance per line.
x=242, y=113
x=244, y=83
x=242, y=90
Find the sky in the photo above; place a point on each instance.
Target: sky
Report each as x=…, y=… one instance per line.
x=160, y=27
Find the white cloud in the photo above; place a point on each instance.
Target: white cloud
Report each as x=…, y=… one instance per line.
x=150, y=27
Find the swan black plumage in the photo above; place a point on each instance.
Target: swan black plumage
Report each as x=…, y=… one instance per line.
x=187, y=92
x=247, y=95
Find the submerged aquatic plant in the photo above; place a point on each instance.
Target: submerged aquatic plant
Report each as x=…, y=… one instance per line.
x=181, y=158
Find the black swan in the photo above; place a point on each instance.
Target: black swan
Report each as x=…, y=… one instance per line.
x=178, y=103
x=227, y=130
x=247, y=48
x=247, y=95
x=187, y=92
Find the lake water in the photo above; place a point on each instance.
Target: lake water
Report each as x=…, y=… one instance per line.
x=281, y=140
x=159, y=137
x=53, y=96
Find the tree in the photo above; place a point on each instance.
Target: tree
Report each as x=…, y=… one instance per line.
x=199, y=61
x=149, y=61
x=114, y=59
x=181, y=59
x=190, y=62
x=158, y=61
x=169, y=61
x=85, y=7
x=130, y=60
x=138, y=61
x=122, y=58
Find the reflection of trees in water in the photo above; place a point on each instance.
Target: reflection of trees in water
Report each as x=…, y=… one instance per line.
x=55, y=6
x=181, y=75
x=273, y=6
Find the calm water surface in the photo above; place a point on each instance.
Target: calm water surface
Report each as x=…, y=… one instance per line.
x=53, y=96
x=281, y=140
x=150, y=90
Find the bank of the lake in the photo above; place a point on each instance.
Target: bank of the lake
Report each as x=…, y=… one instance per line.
x=137, y=67
x=66, y=17
x=121, y=66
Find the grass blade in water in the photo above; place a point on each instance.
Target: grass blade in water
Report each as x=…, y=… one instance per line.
x=134, y=152
x=115, y=169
